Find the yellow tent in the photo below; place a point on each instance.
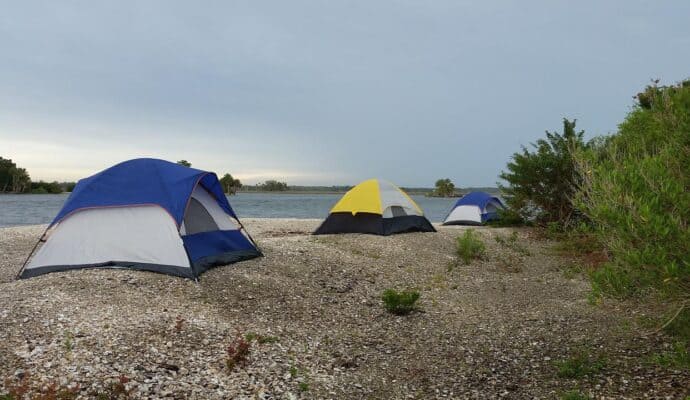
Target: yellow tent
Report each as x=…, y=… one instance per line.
x=375, y=206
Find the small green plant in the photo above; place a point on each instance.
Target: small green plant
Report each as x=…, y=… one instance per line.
x=261, y=339
x=69, y=341
x=237, y=353
x=266, y=339
x=571, y=270
x=470, y=246
x=400, y=303
x=579, y=366
x=512, y=242
x=293, y=371
x=303, y=386
x=574, y=395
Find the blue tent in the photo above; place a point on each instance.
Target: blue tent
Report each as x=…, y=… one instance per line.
x=144, y=214
x=474, y=208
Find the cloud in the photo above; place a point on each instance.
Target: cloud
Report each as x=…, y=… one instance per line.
x=328, y=92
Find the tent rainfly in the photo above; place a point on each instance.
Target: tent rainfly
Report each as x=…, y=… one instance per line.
x=144, y=214
x=378, y=207
x=474, y=208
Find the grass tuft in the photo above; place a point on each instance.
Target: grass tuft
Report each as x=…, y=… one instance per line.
x=579, y=366
x=400, y=303
x=677, y=357
x=574, y=395
x=470, y=246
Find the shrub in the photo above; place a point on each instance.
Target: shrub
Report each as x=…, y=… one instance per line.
x=634, y=187
x=542, y=182
x=508, y=217
x=400, y=303
x=237, y=353
x=470, y=246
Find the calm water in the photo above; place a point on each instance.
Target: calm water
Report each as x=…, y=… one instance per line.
x=30, y=209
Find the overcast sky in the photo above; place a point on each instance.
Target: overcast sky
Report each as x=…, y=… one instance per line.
x=321, y=92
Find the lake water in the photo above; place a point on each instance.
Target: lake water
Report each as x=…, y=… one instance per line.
x=31, y=209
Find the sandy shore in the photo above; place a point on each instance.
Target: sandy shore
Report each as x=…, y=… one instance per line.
x=494, y=328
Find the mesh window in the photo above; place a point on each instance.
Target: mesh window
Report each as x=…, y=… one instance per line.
x=197, y=219
x=398, y=211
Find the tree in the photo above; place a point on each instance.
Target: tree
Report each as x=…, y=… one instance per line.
x=184, y=163
x=273, y=186
x=6, y=169
x=21, y=182
x=541, y=183
x=230, y=184
x=41, y=187
x=444, y=188
x=13, y=179
x=68, y=186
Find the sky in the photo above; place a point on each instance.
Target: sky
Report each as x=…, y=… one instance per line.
x=322, y=92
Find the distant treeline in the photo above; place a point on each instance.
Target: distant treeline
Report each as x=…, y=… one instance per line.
x=14, y=179
x=54, y=187
x=270, y=185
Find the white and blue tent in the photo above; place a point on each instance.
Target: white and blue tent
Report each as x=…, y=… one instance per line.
x=144, y=214
x=474, y=208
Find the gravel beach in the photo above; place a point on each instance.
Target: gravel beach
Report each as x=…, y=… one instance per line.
x=495, y=328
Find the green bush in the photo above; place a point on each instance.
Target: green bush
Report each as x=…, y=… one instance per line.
x=470, y=246
x=541, y=183
x=634, y=187
x=508, y=217
x=400, y=303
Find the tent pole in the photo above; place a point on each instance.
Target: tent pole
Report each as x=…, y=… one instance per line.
x=248, y=235
x=40, y=239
